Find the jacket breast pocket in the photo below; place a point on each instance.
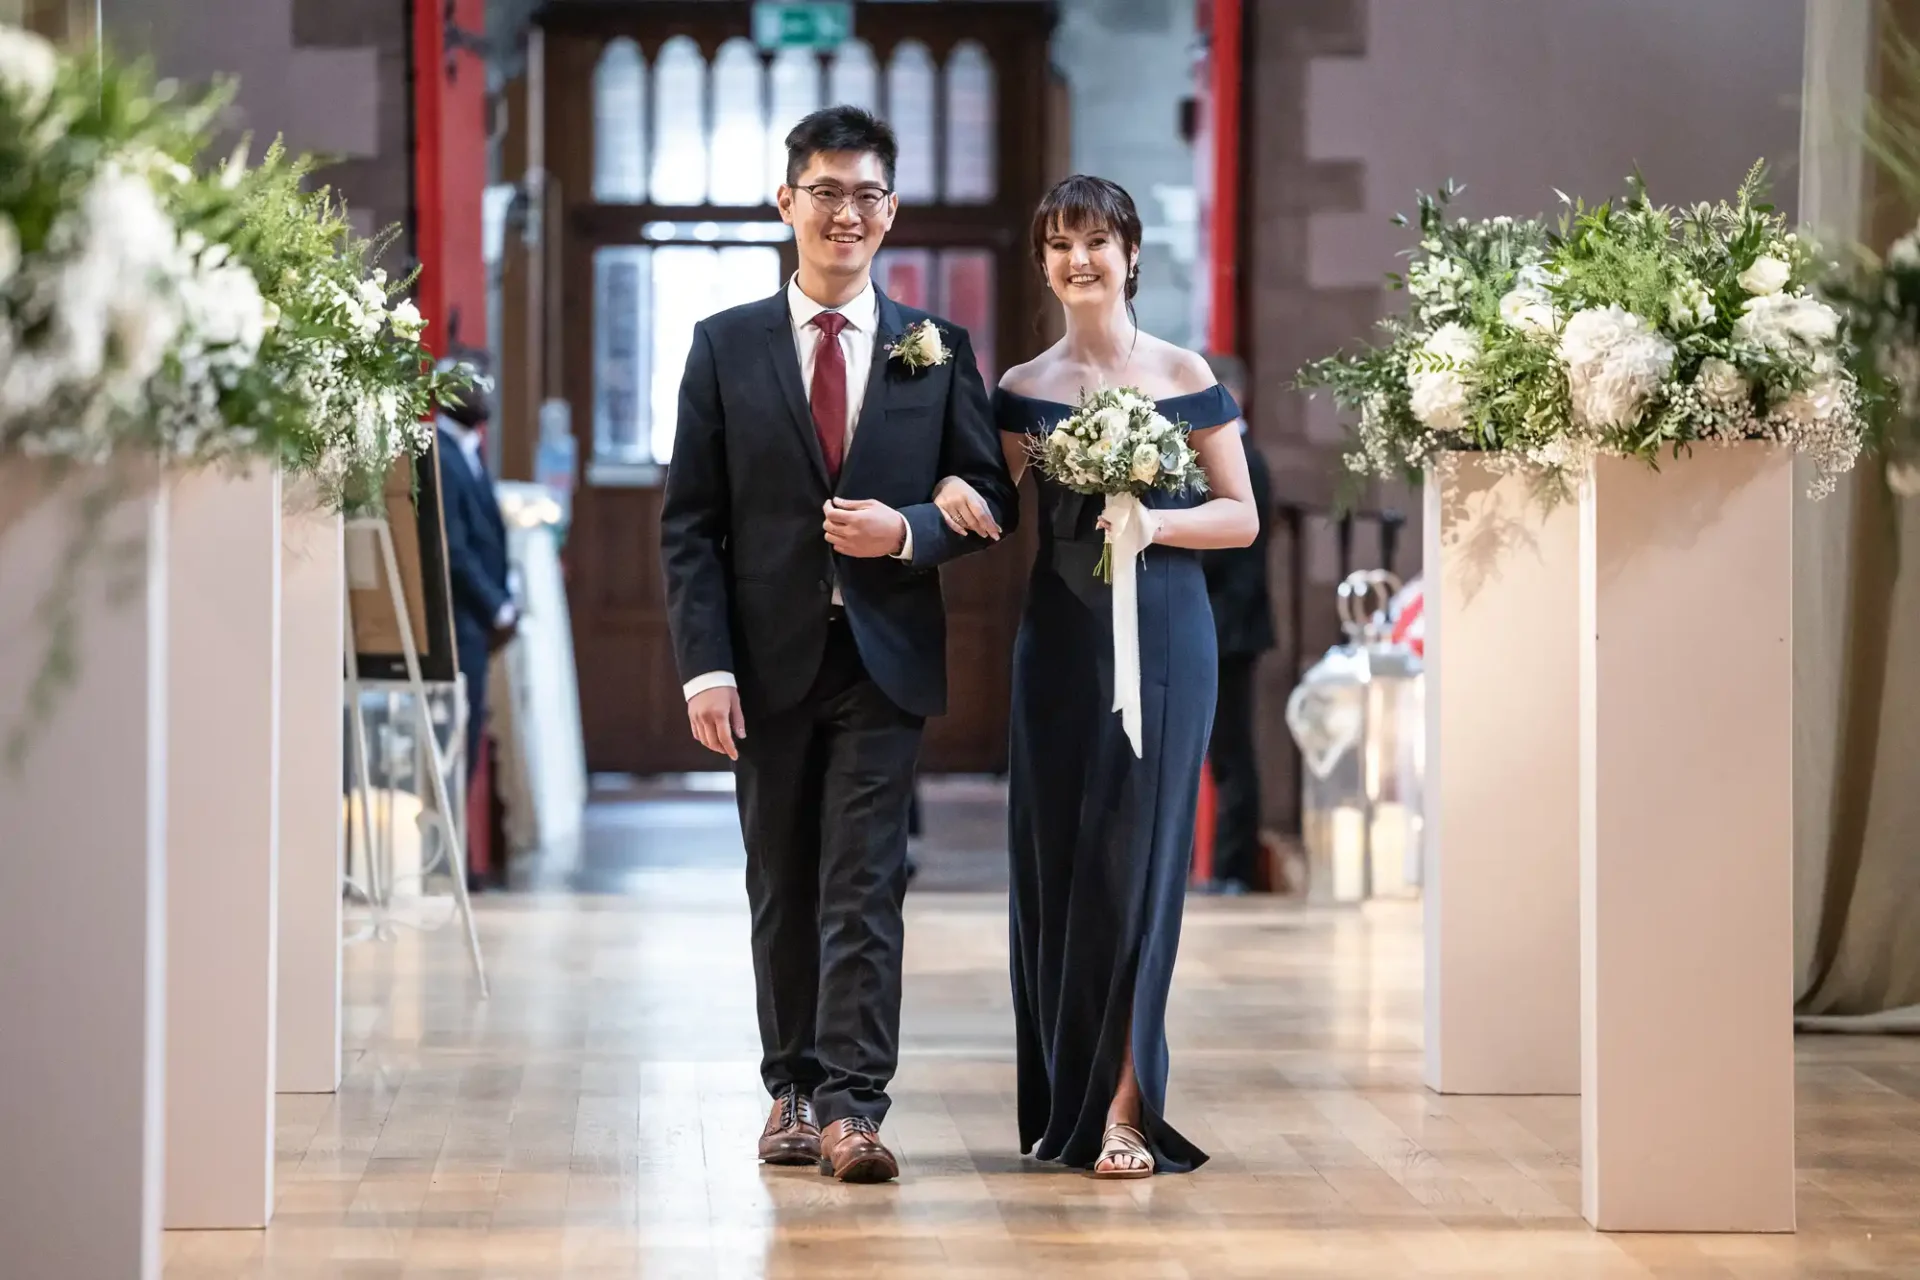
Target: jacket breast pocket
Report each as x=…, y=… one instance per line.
x=923, y=393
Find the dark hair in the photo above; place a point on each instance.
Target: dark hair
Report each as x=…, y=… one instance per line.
x=1082, y=203
x=840, y=129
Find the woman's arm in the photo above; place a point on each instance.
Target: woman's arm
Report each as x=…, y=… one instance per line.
x=1229, y=518
x=1015, y=449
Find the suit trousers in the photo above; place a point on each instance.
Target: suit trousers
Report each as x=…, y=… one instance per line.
x=823, y=789
x=1234, y=759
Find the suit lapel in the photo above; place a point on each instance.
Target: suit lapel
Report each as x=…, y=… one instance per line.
x=887, y=330
x=786, y=368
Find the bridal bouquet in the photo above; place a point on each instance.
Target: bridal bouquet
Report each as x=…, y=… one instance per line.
x=1118, y=445
x=1629, y=329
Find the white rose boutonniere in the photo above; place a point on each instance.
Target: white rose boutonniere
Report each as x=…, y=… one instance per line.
x=921, y=347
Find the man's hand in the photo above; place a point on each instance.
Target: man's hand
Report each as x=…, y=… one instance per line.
x=864, y=528
x=715, y=717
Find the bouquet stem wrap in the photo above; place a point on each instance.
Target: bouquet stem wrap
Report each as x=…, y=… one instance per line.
x=1129, y=532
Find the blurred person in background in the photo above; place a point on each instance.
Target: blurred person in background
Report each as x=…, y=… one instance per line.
x=1237, y=588
x=485, y=616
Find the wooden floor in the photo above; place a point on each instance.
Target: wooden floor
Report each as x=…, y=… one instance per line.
x=597, y=1118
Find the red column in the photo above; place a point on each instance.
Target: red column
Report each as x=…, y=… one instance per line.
x=450, y=174
x=1217, y=176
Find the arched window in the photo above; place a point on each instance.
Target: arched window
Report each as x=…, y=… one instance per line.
x=971, y=157
x=910, y=95
x=620, y=125
x=680, y=120
x=622, y=374
x=796, y=93
x=852, y=79
x=739, y=126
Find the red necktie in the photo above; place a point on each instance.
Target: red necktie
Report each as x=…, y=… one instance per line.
x=829, y=391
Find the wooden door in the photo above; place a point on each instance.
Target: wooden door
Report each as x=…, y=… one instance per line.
x=662, y=130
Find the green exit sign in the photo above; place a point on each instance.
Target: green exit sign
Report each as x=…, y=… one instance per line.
x=802, y=24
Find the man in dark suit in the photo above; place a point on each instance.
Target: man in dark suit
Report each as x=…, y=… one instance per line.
x=1243, y=624
x=800, y=546
x=484, y=614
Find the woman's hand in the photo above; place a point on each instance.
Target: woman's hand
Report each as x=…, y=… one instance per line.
x=964, y=510
x=1150, y=521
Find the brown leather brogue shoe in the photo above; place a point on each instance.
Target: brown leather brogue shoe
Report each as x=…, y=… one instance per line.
x=791, y=1136
x=851, y=1151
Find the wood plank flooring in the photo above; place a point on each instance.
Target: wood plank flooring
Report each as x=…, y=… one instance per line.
x=597, y=1118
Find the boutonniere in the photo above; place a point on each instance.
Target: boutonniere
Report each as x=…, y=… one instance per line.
x=920, y=347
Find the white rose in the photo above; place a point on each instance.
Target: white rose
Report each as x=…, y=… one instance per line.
x=373, y=296
x=407, y=320
x=931, y=346
x=1113, y=425
x=1615, y=362
x=29, y=67
x=1146, y=463
x=1767, y=275
x=1439, y=396
x=1721, y=382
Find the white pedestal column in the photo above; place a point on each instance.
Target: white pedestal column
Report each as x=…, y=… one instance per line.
x=1502, y=788
x=222, y=832
x=312, y=680
x=1686, y=857
x=83, y=894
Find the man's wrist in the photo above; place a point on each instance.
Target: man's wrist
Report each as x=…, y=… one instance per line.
x=711, y=680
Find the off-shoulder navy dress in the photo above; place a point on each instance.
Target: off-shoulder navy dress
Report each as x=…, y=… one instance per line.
x=1101, y=841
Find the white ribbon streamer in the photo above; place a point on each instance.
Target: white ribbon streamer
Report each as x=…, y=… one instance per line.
x=1130, y=528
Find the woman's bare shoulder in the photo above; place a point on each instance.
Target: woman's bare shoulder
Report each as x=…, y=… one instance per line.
x=1188, y=370
x=1025, y=379
x=1179, y=371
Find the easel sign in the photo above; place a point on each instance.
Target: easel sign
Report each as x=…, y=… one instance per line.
x=420, y=550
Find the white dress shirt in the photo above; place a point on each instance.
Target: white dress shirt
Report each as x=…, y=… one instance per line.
x=857, y=337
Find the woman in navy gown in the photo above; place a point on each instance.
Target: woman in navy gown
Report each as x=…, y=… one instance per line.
x=1101, y=840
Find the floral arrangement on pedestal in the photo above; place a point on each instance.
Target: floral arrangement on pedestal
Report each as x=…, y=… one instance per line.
x=1628, y=328
x=152, y=310
x=207, y=315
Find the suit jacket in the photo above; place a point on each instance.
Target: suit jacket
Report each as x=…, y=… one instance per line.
x=476, y=547
x=1237, y=577
x=749, y=574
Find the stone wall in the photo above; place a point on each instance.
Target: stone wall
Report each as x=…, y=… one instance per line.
x=329, y=75
x=1352, y=105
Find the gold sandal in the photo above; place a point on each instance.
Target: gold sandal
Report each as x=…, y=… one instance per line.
x=1123, y=1142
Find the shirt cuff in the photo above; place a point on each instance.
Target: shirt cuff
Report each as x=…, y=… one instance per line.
x=504, y=615
x=711, y=680
x=906, y=548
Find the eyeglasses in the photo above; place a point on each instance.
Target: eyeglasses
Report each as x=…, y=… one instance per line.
x=829, y=199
